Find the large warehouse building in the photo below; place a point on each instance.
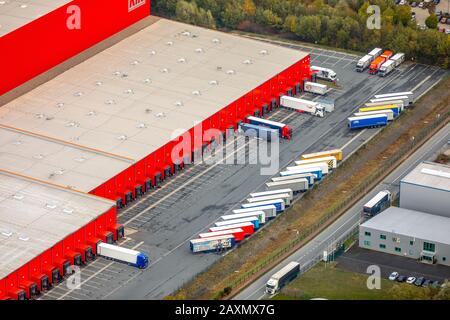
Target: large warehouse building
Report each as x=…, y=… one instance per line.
x=427, y=188
x=408, y=233
x=111, y=125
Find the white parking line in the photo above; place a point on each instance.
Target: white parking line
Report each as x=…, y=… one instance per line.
x=353, y=139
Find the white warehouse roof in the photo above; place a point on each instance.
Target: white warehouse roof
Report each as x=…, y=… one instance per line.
x=129, y=99
x=17, y=13
x=412, y=223
x=430, y=174
x=34, y=216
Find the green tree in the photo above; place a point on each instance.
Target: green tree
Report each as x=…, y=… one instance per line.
x=432, y=21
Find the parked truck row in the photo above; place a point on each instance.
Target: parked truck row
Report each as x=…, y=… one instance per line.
x=380, y=110
x=380, y=62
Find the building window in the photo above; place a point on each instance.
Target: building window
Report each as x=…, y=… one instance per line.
x=411, y=243
x=395, y=239
x=382, y=246
x=444, y=259
x=367, y=233
x=367, y=243
x=397, y=249
x=383, y=236
x=427, y=246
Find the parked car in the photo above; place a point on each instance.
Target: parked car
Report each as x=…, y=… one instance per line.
x=436, y=284
x=393, y=276
x=427, y=283
x=443, y=20
x=411, y=280
x=413, y=4
x=436, y=2
x=421, y=5
x=401, y=278
x=447, y=31
x=397, y=1
x=402, y=2
x=419, y=281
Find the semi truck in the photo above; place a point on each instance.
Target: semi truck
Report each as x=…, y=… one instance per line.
x=307, y=176
x=387, y=54
x=129, y=256
x=376, y=52
x=398, y=58
x=278, y=203
x=386, y=68
x=378, y=203
x=272, y=192
x=257, y=213
x=406, y=100
x=322, y=165
x=394, y=94
x=316, y=88
x=283, y=129
x=251, y=130
x=330, y=160
x=316, y=171
x=286, y=197
x=375, y=65
x=302, y=105
x=252, y=219
x=388, y=112
x=248, y=228
x=369, y=121
x=395, y=108
x=337, y=153
x=324, y=73
x=218, y=243
x=364, y=63
x=379, y=104
x=269, y=210
x=297, y=185
x=238, y=234
x=282, y=277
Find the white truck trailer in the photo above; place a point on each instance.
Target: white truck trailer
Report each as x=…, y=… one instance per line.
x=331, y=160
x=282, y=277
x=296, y=185
x=388, y=112
x=286, y=197
x=272, y=192
x=386, y=68
x=302, y=105
x=316, y=88
x=269, y=210
x=398, y=58
x=364, y=63
x=129, y=256
x=322, y=165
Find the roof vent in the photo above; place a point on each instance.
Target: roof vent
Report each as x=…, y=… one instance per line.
x=231, y=72
x=78, y=94
x=98, y=83
x=214, y=82
x=169, y=43
x=165, y=70
x=135, y=62
x=91, y=113
x=117, y=73
x=80, y=159
x=196, y=93
x=248, y=61
x=199, y=50
x=39, y=115
x=72, y=124
x=148, y=80
x=23, y=6
x=129, y=91
x=264, y=52
x=23, y=237
x=38, y=156
x=68, y=210
x=179, y=103
x=186, y=33
x=153, y=52
x=215, y=40
x=160, y=115
x=7, y=233
x=219, y=68
x=141, y=126
x=110, y=101
x=59, y=172
x=50, y=206
x=18, y=196
x=60, y=105
x=181, y=60
x=122, y=137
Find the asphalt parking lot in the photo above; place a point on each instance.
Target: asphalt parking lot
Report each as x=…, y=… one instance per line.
x=358, y=259
x=164, y=220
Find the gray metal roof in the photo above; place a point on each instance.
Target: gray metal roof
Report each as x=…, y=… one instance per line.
x=412, y=223
x=129, y=99
x=430, y=174
x=17, y=13
x=34, y=216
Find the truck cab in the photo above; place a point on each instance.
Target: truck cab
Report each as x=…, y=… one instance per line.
x=320, y=111
x=272, y=286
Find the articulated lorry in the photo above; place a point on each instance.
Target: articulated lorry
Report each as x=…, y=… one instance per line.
x=302, y=105
x=398, y=58
x=286, y=197
x=394, y=107
x=337, y=153
x=252, y=219
x=388, y=112
x=369, y=121
x=238, y=234
x=218, y=243
x=330, y=160
x=282, y=277
x=255, y=131
x=307, y=176
x=257, y=213
x=247, y=227
x=129, y=256
x=269, y=210
x=273, y=192
x=378, y=203
x=364, y=63
x=375, y=65
x=316, y=171
x=322, y=165
x=386, y=68
x=278, y=203
x=296, y=185
x=284, y=130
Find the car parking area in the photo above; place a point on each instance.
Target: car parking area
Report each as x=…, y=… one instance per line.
x=358, y=260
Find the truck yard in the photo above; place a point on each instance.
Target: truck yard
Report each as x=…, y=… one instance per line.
x=163, y=222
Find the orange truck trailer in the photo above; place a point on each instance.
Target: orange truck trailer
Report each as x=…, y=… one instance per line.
x=376, y=64
x=387, y=54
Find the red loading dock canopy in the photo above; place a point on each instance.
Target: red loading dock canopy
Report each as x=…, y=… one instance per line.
x=35, y=218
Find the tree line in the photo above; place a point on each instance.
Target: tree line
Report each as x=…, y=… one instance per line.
x=335, y=23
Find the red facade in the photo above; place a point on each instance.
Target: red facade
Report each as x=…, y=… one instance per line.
x=55, y=37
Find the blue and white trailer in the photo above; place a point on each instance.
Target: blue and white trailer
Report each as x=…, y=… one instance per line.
x=121, y=254
x=307, y=176
x=378, y=203
x=284, y=130
x=316, y=171
x=369, y=121
x=388, y=112
x=218, y=243
x=272, y=192
x=269, y=210
x=278, y=203
x=258, y=213
x=322, y=165
x=253, y=219
x=283, y=196
x=252, y=130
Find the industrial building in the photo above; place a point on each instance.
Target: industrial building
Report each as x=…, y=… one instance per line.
x=408, y=233
x=111, y=125
x=427, y=188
